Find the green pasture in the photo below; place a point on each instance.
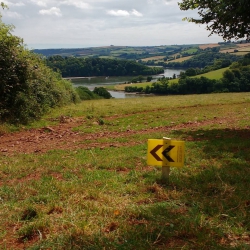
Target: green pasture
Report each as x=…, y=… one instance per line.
x=216, y=74
x=106, y=196
x=190, y=51
x=181, y=59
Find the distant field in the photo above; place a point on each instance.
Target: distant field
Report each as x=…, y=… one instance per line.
x=242, y=45
x=110, y=57
x=153, y=58
x=181, y=59
x=191, y=51
x=241, y=53
x=242, y=48
x=210, y=45
x=216, y=74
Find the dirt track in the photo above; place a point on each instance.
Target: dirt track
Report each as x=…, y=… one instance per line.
x=62, y=136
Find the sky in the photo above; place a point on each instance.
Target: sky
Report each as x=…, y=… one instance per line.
x=47, y=24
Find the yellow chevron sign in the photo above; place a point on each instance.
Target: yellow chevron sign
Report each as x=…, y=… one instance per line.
x=162, y=152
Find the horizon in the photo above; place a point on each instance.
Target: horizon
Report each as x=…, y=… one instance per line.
x=107, y=46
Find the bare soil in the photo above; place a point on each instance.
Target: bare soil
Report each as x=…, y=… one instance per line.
x=63, y=136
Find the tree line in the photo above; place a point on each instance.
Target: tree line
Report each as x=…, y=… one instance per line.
x=86, y=67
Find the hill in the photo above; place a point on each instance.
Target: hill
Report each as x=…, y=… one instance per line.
x=145, y=54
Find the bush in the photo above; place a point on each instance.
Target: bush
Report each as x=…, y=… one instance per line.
x=101, y=91
x=86, y=94
x=28, y=88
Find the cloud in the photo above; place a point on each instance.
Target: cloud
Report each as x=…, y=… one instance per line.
x=124, y=13
x=77, y=3
x=136, y=13
x=82, y=23
x=52, y=11
x=40, y=3
x=8, y=3
x=118, y=13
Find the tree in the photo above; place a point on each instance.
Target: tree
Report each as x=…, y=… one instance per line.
x=149, y=78
x=227, y=18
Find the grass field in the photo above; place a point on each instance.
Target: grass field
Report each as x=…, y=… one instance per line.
x=154, y=58
x=79, y=178
x=210, y=45
x=242, y=49
x=181, y=59
x=216, y=74
x=191, y=51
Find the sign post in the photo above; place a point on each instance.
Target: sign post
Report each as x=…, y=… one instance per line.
x=165, y=174
x=166, y=153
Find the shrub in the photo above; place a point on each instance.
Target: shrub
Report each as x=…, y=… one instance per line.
x=86, y=94
x=101, y=91
x=28, y=88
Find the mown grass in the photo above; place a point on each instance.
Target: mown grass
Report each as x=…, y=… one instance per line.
x=109, y=198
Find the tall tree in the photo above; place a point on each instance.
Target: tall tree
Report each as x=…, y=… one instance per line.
x=227, y=18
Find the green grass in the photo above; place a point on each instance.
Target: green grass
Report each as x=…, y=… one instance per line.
x=191, y=51
x=216, y=74
x=181, y=59
x=109, y=198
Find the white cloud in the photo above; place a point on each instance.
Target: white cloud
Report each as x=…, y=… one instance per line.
x=9, y=4
x=52, y=11
x=40, y=3
x=136, y=13
x=118, y=13
x=123, y=13
x=77, y=3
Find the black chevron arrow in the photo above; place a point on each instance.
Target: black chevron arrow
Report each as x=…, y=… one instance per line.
x=166, y=151
x=153, y=152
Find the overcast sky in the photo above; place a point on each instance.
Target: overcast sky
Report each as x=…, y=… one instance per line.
x=92, y=23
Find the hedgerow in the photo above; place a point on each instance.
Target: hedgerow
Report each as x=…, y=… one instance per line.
x=28, y=88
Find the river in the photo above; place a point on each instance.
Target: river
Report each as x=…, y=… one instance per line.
x=92, y=82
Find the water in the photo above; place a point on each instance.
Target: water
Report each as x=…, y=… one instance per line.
x=170, y=72
x=92, y=82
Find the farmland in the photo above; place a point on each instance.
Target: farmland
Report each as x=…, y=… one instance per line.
x=240, y=49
